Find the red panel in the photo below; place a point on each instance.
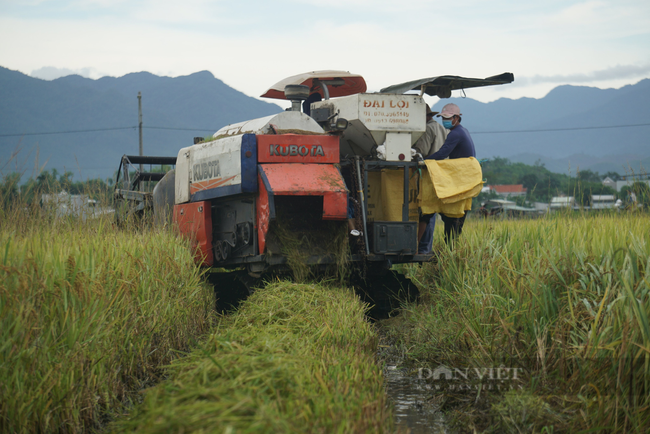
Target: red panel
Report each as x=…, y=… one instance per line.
x=296, y=148
x=310, y=180
x=263, y=211
x=335, y=206
x=352, y=84
x=195, y=221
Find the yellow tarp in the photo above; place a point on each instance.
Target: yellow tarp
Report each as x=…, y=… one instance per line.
x=455, y=183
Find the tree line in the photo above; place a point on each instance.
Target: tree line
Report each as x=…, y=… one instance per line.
x=542, y=184
x=51, y=182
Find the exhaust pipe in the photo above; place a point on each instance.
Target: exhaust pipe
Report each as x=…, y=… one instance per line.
x=296, y=93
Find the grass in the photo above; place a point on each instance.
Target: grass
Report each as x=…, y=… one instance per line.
x=564, y=298
x=294, y=358
x=89, y=315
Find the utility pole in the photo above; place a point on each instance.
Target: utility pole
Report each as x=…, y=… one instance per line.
x=140, y=133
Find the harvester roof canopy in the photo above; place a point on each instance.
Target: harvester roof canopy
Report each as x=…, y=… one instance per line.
x=339, y=83
x=443, y=85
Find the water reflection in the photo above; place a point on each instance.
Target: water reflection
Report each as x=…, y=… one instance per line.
x=413, y=411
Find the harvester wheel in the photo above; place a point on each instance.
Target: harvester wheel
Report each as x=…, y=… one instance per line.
x=385, y=291
x=221, y=251
x=231, y=288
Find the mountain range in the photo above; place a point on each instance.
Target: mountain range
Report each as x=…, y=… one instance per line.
x=571, y=127
x=174, y=111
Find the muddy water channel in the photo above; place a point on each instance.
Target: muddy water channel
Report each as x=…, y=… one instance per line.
x=412, y=398
x=413, y=410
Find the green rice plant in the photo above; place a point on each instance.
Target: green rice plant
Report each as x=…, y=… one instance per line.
x=565, y=298
x=294, y=358
x=522, y=412
x=89, y=315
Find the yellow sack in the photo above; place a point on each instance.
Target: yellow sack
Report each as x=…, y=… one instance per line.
x=448, y=186
x=386, y=196
x=392, y=195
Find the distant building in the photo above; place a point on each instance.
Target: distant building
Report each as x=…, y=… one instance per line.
x=65, y=203
x=628, y=182
x=513, y=190
x=500, y=203
x=507, y=208
x=79, y=205
x=609, y=182
x=560, y=202
x=541, y=207
x=603, y=201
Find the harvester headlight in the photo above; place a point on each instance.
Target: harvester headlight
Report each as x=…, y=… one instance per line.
x=340, y=124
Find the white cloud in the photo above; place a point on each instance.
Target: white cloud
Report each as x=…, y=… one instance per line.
x=372, y=6
x=589, y=11
x=187, y=12
x=52, y=73
x=100, y=3
x=613, y=73
x=600, y=20
x=22, y=2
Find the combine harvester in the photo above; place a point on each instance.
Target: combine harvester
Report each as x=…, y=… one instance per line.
x=296, y=191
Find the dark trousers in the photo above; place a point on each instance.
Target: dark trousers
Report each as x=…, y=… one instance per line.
x=424, y=246
x=453, y=226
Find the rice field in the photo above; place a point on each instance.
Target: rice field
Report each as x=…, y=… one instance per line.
x=564, y=300
x=112, y=330
x=89, y=315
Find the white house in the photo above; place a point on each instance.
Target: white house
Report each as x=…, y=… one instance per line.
x=628, y=182
x=609, y=182
x=603, y=201
x=541, y=207
x=79, y=205
x=562, y=202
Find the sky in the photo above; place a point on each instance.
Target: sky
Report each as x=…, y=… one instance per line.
x=252, y=44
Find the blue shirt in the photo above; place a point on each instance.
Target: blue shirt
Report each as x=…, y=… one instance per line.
x=458, y=144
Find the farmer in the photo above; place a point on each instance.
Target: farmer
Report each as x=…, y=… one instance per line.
x=431, y=141
x=458, y=144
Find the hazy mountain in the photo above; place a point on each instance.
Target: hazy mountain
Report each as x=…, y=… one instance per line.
x=622, y=148
x=199, y=103
x=202, y=104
